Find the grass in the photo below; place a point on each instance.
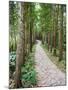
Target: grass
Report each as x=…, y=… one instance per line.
x=55, y=59
x=28, y=71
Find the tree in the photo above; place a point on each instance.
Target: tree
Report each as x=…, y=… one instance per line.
x=55, y=26
x=31, y=26
x=20, y=48
x=61, y=33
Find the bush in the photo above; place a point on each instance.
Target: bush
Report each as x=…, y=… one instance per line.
x=28, y=72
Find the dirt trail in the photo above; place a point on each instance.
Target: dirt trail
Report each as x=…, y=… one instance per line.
x=47, y=72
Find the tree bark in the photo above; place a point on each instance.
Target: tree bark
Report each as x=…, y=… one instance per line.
x=20, y=49
x=55, y=27
x=61, y=34
x=48, y=40
x=31, y=24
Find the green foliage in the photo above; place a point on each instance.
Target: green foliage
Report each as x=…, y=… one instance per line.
x=12, y=58
x=29, y=78
x=13, y=24
x=13, y=12
x=28, y=72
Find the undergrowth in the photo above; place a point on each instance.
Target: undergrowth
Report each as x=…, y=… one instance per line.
x=28, y=71
x=12, y=61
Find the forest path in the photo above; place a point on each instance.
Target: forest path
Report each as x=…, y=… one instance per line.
x=47, y=73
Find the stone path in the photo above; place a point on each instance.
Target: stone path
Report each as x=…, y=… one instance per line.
x=47, y=72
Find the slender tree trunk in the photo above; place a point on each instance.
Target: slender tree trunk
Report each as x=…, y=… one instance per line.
x=55, y=27
x=52, y=27
x=61, y=34
x=30, y=37
x=31, y=24
x=27, y=41
x=48, y=40
x=42, y=37
x=51, y=43
x=33, y=34
x=54, y=32
x=26, y=27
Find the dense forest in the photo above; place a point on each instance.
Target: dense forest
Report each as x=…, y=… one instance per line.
x=29, y=22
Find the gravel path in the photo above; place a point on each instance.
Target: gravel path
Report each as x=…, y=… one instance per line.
x=47, y=72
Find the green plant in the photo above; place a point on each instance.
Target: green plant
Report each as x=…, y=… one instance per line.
x=28, y=71
x=12, y=58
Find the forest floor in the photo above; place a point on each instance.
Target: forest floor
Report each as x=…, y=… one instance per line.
x=48, y=73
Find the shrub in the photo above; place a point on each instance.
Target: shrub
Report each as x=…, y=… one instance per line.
x=28, y=72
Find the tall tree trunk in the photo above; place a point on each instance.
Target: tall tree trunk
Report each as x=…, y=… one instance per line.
x=42, y=37
x=54, y=32
x=25, y=26
x=55, y=27
x=28, y=27
x=30, y=37
x=52, y=27
x=31, y=24
x=20, y=49
x=48, y=40
x=51, y=42
x=61, y=34
x=33, y=38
